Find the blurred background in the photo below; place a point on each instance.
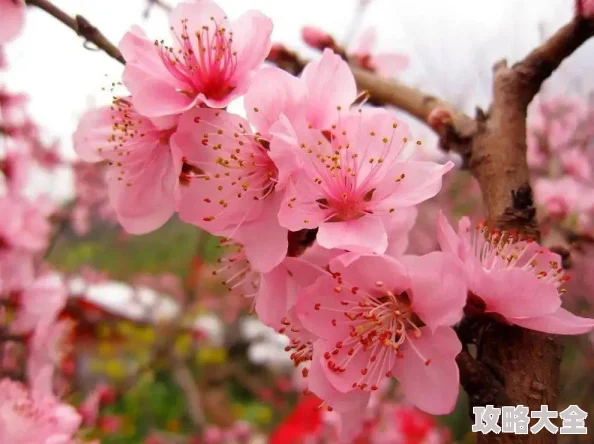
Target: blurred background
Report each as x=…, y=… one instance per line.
x=163, y=348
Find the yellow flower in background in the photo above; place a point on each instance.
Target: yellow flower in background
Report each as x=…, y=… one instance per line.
x=125, y=328
x=114, y=369
x=211, y=355
x=103, y=331
x=183, y=344
x=105, y=349
x=263, y=414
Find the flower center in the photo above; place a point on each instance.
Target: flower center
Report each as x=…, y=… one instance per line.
x=379, y=322
x=211, y=70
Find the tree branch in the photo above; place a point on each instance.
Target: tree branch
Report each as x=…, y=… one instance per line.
x=527, y=362
x=82, y=27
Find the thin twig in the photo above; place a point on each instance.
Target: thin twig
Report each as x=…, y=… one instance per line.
x=185, y=380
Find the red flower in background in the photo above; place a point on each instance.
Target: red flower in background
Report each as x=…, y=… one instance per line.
x=305, y=420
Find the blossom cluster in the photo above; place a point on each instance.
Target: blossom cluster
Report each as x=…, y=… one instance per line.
x=31, y=294
x=305, y=163
x=561, y=155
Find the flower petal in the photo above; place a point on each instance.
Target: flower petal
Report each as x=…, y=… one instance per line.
x=438, y=297
x=355, y=400
x=410, y=183
x=145, y=201
x=561, y=322
x=515, y=292
x=428, y=372
x=330, y=85
x=364, y=235
x=251, y=40
x=273, y=92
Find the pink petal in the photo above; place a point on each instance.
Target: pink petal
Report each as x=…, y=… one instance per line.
x=366, y=367
x=41, y=303
x=561, y=322
x=265, y=241
x=431, y=387
x=280, y=288
x=271, y=304
x=389, y=64
x=200, y=199
x=12, y=19
x=515, y=292
x=320, y=311
x=141, y=53
x=251, y=40
x=94, y=129
x=448, y=239
x=282, y=150
x=366, y=271
x=330, y=84
x=355, y=400
x=298, y=210
x=421, y=181
x=364, y=235
x=273, y=92
x=303, y=273
x=194, y=15
x=437, y=297
x=42, y=382
x=148, y=202
x=398, y=226
x=154, y=97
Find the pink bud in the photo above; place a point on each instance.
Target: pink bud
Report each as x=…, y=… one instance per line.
x=439, y=117
x=585, y=8
x=316, y=38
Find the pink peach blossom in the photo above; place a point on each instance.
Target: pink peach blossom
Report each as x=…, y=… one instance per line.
x=16, y=269
x=24, y=224
x=40, y=304
x=353, y=180
x=48, y=347
x=142, y=177
x=576, y=164
x=316, y=38
x=12, y=18
x=16, y=166
x=378, y=317
x=562, y=197
x=228, y=185
x=516, y=279
x=343, y=171
x=211, y=61
x=34, y=416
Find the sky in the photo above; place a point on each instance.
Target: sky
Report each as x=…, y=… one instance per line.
x=452, y=45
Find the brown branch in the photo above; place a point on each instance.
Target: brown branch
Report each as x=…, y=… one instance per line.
x=185, y=380
x=527, y=362
x=82, y=27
